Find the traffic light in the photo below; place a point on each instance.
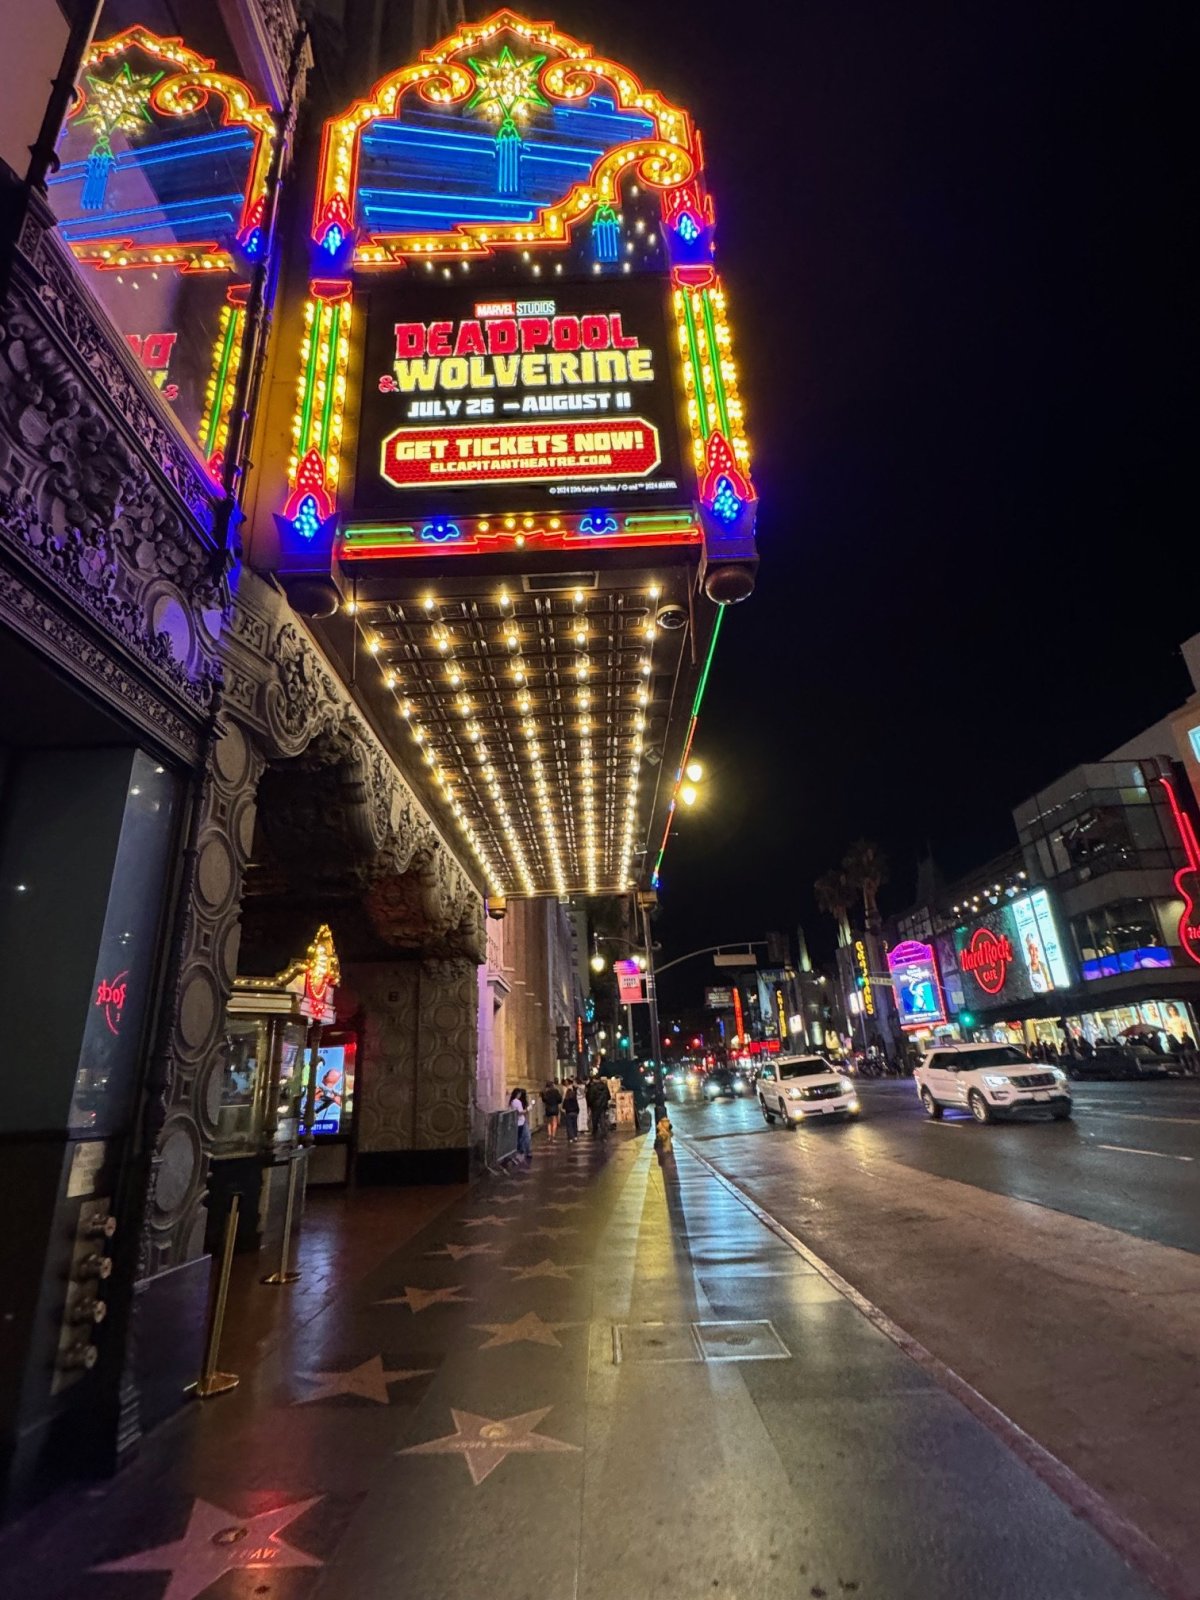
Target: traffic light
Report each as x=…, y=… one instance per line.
x=966, y=1019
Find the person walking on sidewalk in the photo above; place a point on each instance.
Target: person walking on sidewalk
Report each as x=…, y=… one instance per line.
x=518, y=1101
x=597, y=1103
x=552, y=1101
x=570, y=1108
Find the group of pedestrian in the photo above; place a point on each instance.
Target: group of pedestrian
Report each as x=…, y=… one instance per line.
x=578, y=1104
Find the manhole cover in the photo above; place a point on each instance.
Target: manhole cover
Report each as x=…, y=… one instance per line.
x=740, y=1341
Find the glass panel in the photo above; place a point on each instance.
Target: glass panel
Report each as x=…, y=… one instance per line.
x=293, y=1078
x=244, y=1050
x=159, y=197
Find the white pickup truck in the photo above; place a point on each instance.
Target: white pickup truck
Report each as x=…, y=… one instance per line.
x=990, y=1081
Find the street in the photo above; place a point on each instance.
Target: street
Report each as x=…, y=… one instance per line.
x=1052, y=1267
x=1130, y=1158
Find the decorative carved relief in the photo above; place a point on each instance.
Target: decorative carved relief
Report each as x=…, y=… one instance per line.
x=97, y=493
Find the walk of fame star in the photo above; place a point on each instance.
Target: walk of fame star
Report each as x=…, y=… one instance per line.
x=563, y=1205
x=542, y=1269
x=420, y=1299
x=507, y=1200
x=368, y=1381
x=550, y=1233
x=217, y=1541
x=484, y=1442
x=529, y=1329
x=456, y=1252
x=486, y=1222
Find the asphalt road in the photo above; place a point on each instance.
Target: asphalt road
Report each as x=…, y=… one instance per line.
x=1129, y=1158
x=1053, y=1267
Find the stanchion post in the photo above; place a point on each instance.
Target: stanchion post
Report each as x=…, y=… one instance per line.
x=281, y=1274
x=211, y=1381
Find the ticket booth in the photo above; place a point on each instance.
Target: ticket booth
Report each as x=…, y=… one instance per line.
x=287, y=1069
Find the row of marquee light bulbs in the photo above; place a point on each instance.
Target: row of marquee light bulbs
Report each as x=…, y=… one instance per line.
x=450, y=779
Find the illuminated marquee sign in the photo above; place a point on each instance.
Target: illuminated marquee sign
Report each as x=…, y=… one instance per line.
x=864, y=973
x=915, y=983
x=505, y=404
x=987, y=958
x=553, y=369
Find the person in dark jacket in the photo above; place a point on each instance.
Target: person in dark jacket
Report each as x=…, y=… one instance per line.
x=598, y=1098
x=570, y=1108
x=552, y=1103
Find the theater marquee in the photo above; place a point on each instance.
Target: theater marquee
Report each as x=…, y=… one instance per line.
x=481, y=398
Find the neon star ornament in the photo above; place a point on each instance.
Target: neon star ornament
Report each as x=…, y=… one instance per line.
x=120, y=104
x=507, y=90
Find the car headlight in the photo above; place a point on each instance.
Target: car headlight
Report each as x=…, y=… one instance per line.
x=795, y=1094
x=1059, y=1075
x=847, y=1086
x=995, y=1080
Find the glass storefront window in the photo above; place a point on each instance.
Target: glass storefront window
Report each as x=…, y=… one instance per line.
x=1121, y=937
x=159, y=197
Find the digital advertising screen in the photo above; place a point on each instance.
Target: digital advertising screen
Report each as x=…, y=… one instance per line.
x=1013, y=952
x=332, y=1102
x=535, y=400
x=913, y=967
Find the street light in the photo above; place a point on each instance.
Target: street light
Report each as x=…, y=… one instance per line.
x=598, y=962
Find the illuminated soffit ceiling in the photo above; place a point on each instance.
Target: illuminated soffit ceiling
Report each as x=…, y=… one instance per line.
x=538, y=719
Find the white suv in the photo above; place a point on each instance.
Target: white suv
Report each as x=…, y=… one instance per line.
x=797, y=1088
x=990, y=1080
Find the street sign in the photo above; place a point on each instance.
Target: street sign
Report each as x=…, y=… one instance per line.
x=629, y=982
x=735, y=958
x=718, y=999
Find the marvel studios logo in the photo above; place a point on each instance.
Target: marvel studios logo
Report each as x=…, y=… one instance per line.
x=515, y=308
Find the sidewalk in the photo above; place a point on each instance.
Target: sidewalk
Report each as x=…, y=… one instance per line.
x=596, y=1380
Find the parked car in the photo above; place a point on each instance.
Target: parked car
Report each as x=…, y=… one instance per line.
x=1123, y=1061
x=990, y=1081
x=799, y=1088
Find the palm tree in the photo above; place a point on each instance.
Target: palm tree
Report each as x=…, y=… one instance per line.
x=834, y=893
x=866, y=868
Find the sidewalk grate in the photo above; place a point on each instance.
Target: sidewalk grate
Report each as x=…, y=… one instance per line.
x=697, y=1341
x=740, y=1341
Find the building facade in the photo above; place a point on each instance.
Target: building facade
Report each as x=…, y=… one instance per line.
x=249, y=822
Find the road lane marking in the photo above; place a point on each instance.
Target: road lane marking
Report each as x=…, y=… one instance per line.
x=1132, y=1150
x=1138, y=1116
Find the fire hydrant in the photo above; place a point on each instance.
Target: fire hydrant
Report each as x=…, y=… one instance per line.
x=662, y=1129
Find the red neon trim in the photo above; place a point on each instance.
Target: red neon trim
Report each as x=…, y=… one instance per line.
x=330, y=288
x=1187, y=879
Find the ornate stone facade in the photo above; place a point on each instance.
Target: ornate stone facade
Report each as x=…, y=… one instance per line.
x=335, y=810
x=106, y=515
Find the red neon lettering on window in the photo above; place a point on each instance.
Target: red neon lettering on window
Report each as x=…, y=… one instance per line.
x=1187, y=879
x=987, y=958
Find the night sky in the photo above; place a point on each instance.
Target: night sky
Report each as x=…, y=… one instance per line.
x=958, y=242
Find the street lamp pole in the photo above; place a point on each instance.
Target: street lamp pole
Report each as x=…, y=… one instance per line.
x=660, y=1094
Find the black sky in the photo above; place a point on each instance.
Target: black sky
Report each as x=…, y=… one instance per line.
x=960, y=247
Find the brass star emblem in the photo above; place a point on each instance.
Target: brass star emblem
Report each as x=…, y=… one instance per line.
x=529, y=1329
x=368, y=1381
x=541, y=1269
x=421, y=1299
x=484, y=1442
x=217, y=1541
x=457, y=1252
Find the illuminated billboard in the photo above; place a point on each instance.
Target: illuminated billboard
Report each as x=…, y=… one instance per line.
x=491, y=404
x=1013, y=952
x=915, y=983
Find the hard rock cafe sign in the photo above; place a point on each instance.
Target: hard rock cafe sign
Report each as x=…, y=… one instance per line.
x=987, y=956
